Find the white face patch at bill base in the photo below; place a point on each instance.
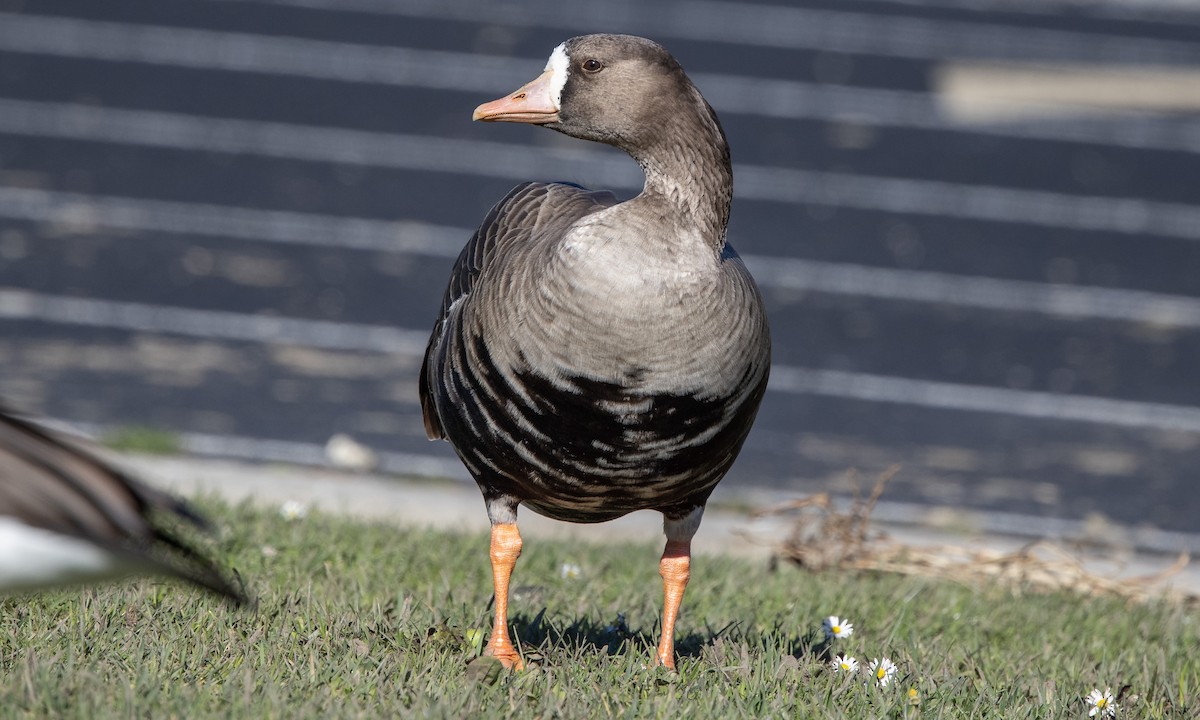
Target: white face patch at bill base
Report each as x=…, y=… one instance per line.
x=32, y=558
x=560, y=64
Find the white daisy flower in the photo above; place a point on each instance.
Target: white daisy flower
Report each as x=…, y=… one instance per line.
x=293, y=510
x=844, y=664
x=570, y=571
x=836, y=627
x=1101, y=703
x=882, y=670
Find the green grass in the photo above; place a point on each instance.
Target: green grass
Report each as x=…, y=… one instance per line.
x=379, y=621
x=141, y=439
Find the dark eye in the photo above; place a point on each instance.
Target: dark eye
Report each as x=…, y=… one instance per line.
x=592, y=65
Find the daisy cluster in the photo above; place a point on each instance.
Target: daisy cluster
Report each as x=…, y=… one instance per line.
x=880, y=670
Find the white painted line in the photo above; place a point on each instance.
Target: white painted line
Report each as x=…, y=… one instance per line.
x=79, y=213
x=243, y=52
x=786, y=27
x=1165, y=11
x=975, y=202
x=141, y=317
x=591, y=167
x=230, y=446
x=490, y=74
x=74, y=212
x=975, y=398
x=310, y=143
x=789, y=99
x=1065, y=301
x=1032, y=526
x=23, y=305
x=284, y=451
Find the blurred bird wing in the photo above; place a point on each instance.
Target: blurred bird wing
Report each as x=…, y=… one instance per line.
x=50, y=481
x=56, y=483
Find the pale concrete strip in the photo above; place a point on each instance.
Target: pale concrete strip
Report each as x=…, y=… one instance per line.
x=974, y=92
x=459, y=507
x=447, y=505
x=435, y=474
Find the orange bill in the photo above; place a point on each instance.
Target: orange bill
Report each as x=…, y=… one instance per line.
x=532, y=103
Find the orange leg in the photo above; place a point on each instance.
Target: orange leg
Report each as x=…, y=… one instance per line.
x=675, y=568
x=505, y=549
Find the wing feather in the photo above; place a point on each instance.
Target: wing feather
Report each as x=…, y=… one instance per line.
x=531, y=212
x=55, y=482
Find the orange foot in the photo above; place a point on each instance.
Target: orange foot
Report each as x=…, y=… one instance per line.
x=508, y=656
x=667, y=661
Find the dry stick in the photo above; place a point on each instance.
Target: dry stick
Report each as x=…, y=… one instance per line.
x=831, y=539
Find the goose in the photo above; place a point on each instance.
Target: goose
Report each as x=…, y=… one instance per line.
x=592, y=357
x=67, y=516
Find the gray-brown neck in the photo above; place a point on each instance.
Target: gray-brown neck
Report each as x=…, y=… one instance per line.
x=687, y=167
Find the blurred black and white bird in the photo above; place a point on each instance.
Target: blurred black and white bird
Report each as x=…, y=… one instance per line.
x=593, y=358
x=68, y=516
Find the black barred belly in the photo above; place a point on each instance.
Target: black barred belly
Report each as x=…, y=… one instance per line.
x=597, y=450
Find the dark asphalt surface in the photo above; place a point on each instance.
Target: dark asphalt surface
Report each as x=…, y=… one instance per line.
x=1011, y=310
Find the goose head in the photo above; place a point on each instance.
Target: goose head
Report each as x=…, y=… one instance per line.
x=620, y=90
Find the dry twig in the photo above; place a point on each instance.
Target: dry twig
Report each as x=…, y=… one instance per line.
x=823, y=538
